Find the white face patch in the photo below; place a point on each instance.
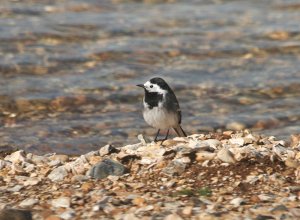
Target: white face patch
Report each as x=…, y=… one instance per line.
x=150, y=87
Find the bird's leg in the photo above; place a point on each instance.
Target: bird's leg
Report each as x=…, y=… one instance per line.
x=155, y=139
x=165, y=137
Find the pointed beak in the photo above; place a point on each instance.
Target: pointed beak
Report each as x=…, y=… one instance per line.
x=141, y=85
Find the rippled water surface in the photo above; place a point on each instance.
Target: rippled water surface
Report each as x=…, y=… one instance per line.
x=68, y=69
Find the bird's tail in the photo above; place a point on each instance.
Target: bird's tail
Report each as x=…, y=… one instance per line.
x=179, y=131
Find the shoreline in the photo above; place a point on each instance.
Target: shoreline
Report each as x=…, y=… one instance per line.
x=213, y=176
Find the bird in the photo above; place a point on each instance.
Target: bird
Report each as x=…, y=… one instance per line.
x=161, y=108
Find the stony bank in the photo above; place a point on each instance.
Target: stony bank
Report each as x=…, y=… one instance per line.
x=229, y=175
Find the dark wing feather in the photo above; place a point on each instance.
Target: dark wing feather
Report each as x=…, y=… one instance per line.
x=172, y=104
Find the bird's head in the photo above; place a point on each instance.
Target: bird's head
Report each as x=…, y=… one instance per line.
x=155, y=85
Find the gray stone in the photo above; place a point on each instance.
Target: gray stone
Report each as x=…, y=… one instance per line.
x=15, y=214
x=58, y=174
x=175, y=167
x=16, y=188
x=107, y=167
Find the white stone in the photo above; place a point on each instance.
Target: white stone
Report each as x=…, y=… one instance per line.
x=237, y=201
x=204, y=155
x=147, y=160
x=226, y=155
x=214, y=143
x=173, y=216
x=238, y=141
x=26, y=203
x=16, y=157
x=58, y=174
x=266, y=198
x=31, y=181
x=70, y=214
x=62, y=202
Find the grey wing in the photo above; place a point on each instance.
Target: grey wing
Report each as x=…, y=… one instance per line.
x=173, y=105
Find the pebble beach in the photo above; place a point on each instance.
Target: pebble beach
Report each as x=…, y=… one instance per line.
x=227, y=175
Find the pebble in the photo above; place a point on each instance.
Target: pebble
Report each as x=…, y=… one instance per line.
x=204, y=155
x=107, y=167
x=31, y=181
x=60, y=157
x=238, y=141
x=173, y=216
x=106, y=150
x=16, y=157
x=236, y=202
x=292, y=163
x=174, y=168
x=187, y=211
x=62, y=202
x=226, y=156
x=70, y=214
x=58, y=174
x=28, y=202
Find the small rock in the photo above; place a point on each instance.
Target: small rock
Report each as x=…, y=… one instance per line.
x=87, y=186
x=173, y=216
x=279, y=208
x=4, y=164
x=79, y=178
x=16, y=157
x=107, y=167
x=62, y=202
x=139, y=201
x=204, y=155
x=292, y=163
x=174, y=168
x=266, y=198
x=106, y=150
x=28, y=202
x=238, y=141
x=31, y=181
x=53, y=217
x=79, y=166
x=237, y=202
x=70, y=214
x=187, y=211
x=58, y=174
x=60, y=157
x=295, y=140
x=295, y=212
x=16, y=188
x=54, y=163
x=226, y=155
x=15, y=214
x=130, y=216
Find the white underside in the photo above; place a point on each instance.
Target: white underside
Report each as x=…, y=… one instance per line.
x=159, y=118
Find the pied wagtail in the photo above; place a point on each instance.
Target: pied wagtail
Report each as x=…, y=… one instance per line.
x=161, y=108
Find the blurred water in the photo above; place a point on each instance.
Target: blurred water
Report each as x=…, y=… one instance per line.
x=68, y=69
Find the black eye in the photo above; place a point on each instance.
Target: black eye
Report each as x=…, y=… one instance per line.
x=151, y=86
